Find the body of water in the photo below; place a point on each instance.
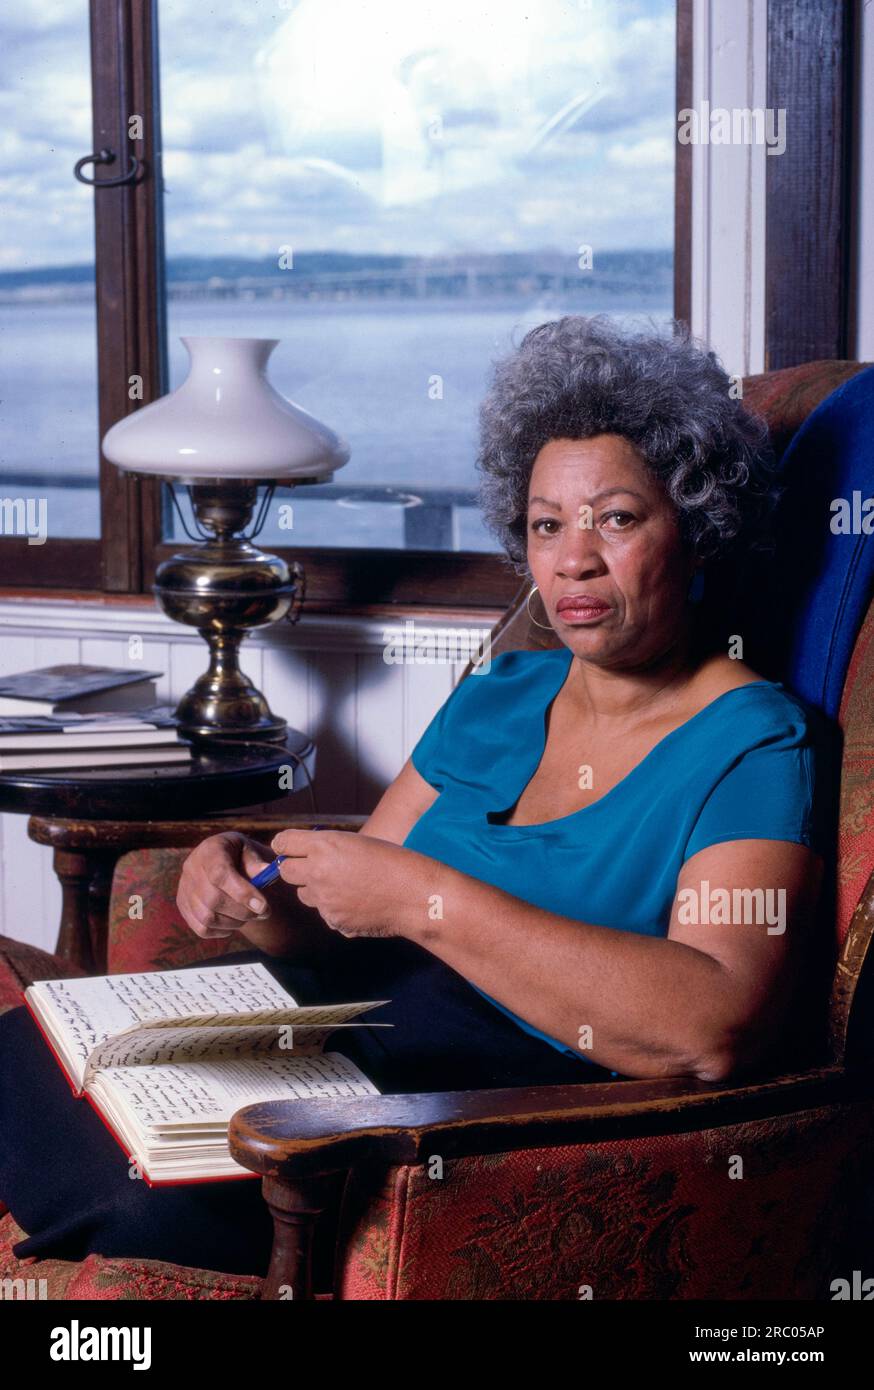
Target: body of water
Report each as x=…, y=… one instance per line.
x=366, y=369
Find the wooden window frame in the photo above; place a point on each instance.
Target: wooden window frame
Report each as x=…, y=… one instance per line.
x=129, y=300
x=808, y=239
x=131, y=342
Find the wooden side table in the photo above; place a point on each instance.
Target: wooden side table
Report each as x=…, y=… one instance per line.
x=91, y=817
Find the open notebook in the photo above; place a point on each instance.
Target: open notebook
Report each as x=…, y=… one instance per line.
x=166, y=1057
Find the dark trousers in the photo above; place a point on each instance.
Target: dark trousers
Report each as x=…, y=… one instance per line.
x=65, y=1179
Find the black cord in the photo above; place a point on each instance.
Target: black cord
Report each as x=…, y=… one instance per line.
x=312, y=791
x=202, y=535
x=262, y=512
x=254, y=743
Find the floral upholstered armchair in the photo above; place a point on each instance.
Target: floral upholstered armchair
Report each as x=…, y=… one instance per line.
x=618, y=1190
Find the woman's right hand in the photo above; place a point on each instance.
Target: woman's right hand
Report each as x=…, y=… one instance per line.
x=215, y=896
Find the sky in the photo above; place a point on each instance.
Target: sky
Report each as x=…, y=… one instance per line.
x=425, y=127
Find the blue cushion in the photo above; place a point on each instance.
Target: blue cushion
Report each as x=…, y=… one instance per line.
x=804, y=606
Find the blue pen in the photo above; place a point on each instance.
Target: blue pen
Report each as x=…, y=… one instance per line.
x=271, y=873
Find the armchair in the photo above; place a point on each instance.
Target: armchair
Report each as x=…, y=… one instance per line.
x=622, y=1190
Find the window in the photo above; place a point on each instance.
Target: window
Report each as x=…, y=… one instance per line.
x=49, y=485
x=400, y=205
x=395, y=191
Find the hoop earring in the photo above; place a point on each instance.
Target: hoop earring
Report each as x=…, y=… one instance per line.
x=546, y=626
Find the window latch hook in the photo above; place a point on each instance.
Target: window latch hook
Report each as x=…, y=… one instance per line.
x=107, y=156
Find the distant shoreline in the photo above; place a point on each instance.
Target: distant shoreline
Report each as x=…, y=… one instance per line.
x=329, y=278
x=635, y=297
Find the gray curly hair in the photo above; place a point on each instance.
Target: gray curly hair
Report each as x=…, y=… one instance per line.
x=577, y=377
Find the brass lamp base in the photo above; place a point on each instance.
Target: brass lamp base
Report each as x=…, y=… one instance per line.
x=227, y=587
x=226, y=705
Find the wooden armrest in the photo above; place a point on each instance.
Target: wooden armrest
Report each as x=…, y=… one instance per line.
x=86, y=851
x=126, y=835
x=298, y=1139
x=300, y=1146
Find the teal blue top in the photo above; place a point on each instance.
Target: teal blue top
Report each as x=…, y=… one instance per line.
x=742, y=768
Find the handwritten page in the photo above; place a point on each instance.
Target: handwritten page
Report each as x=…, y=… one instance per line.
x=299, y=1014
x=81, y=1014
x=228, y=1037
x=209, y=1092
x=168, y=1056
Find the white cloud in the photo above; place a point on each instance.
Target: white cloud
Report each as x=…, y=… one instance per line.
x=654, y=152
x=422, y=126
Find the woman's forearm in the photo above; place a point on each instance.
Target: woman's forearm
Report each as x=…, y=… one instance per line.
x=642, y=1006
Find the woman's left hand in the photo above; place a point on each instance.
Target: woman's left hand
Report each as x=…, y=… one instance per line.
x=361, y=886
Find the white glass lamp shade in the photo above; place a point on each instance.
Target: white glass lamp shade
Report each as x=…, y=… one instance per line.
x=225, y=421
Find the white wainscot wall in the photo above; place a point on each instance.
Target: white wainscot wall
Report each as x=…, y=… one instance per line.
x=327, y=677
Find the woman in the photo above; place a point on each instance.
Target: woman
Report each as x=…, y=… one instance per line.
x=601, y=860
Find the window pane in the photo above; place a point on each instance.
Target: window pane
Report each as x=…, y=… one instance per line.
x=49, y=445
x=398, y=191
